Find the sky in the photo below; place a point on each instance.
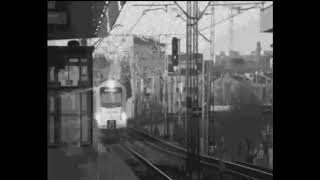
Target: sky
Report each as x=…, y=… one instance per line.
x=246, y=26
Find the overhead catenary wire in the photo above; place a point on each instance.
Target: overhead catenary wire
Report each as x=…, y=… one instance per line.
x=153, y=5
x=131, y=29
x=203, y=12
x=196, y=18
x=197, y=31
x=221, y=21
x=143, y=13
x=98, y=42
x=182, y=34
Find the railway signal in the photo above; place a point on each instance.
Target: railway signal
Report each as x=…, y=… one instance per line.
x=175, y=51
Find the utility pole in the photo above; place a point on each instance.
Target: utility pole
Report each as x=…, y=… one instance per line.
x=179, y=85
x=172, y=105
x=207, y=98
x=204, y=126
x=210, y=106
x=188, y=48
x=166, y=124
x=192, y=100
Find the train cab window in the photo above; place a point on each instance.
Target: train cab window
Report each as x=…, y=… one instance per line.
x=110, y=97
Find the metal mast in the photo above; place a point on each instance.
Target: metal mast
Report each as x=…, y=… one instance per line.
x=210, y=106
x=192, y=100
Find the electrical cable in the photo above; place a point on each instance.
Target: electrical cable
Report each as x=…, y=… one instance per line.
x=197, y=31
x=184, y=12
x=203, y=12
x=98, y=42
x=130, y=30
x=144, y=12
x=228, y=18
x=213, y=25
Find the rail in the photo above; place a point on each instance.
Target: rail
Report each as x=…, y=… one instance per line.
x=246, y=171
x=148, y=163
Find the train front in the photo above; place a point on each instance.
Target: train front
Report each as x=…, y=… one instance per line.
x=110, y=113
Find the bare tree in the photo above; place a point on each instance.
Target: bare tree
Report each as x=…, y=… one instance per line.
x=266, y=137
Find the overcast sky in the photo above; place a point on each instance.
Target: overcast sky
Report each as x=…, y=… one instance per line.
x=246, y=26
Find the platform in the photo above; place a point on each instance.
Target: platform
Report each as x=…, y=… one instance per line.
x=79, y=163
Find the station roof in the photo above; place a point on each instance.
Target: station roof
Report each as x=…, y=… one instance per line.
x=81, y=19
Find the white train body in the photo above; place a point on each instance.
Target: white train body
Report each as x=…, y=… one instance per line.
x=110, y=105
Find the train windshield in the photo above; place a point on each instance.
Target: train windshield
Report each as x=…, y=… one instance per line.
x=111, y=97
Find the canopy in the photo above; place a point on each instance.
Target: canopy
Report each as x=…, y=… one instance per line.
x=81, y=19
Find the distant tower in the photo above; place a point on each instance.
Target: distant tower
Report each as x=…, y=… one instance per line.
x=258, y=49
x=258, y=53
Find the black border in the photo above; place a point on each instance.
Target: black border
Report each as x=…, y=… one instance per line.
x=24, y=137
x=24, y=77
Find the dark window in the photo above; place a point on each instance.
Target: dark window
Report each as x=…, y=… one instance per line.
x=110, y=97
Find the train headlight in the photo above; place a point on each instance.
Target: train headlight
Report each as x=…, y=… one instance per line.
x=123, y=116
x=111, y=84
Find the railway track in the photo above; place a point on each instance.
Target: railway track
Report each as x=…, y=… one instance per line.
x=236, y=171
x=142, y=167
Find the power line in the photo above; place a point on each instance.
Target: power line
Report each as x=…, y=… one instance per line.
x=197, y=31
x=101, y=39
x=143, y=13
x=98, y=42
x=182, y=34
x=185, y=13
x=203, y=11
x=229, y=17
x=153, y=4
x=239, y=4
x=219, y=22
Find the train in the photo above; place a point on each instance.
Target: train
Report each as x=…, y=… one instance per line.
x=110, y=100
